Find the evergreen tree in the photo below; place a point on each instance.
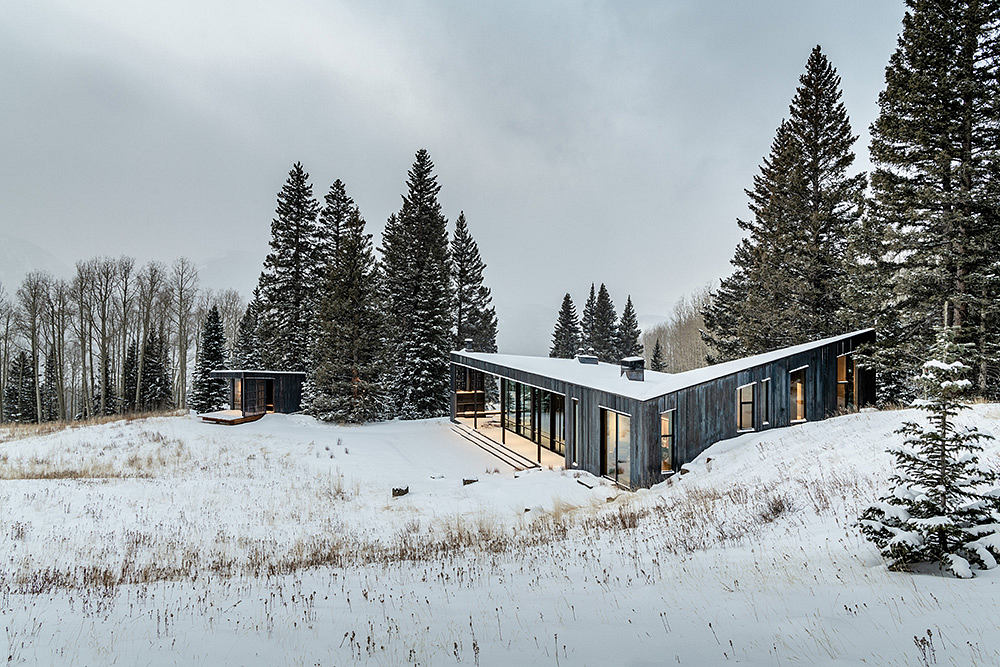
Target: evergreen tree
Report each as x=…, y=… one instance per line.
x=287, y=289
x=156, y=392
x=790, y=272
x=942, y=508
x=629, y=332
x=345, y=370
x=587, y=320
x=208, y=393
x=333, y=218
x=130, y=373
x=475, y=317
x=656, y=361
x=605, y=332
x=418, y=298
x=19, y=392
x=50, y=388
x=247, y=349
x=936, y=147
x=566, y=336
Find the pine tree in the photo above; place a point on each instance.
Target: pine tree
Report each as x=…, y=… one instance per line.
x=656, y=361
x=418, y=297
x=130, y=373
x=936, y=146
x=475, y=317
x=208, y=393
x=156, y=392
x=629, y=332
x=287, y=288
x=789, y=274
x=333, y=218
x=19, y=392
x=587, y=320
x=605, y=332
x=247, y=350
x=345, y=373
x=50, y=388
x=566, y=336
x=943, y=508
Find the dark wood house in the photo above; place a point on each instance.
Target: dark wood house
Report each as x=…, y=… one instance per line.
x=254, y=393
x=636, y=426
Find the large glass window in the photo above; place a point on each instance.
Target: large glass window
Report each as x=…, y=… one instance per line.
x=615, y=436
x=797, y=395
x=744, y=407
x=666, y=440
x=846, y=378
x=765, y=401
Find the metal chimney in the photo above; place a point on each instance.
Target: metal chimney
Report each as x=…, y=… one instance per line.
x=634, y=368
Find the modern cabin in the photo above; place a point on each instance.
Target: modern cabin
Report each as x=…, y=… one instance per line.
x=255, y=393
x=636, y=426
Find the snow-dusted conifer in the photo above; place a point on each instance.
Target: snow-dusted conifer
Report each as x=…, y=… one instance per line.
x=605, y=332
x=656, y=360
x=345, y=376
x=475, y=317
x=130, y=375
x=156, y=390
x=566, y=336
x=587, y=320
x=943, y=507
x=286, y=285
x=19, y=392
x=629, y=332
x=208, y=393
x=418, y=298
x=246, y=351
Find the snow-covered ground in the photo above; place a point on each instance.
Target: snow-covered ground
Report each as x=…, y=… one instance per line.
x=169, y=541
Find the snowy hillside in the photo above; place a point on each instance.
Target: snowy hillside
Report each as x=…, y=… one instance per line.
x=278, y=542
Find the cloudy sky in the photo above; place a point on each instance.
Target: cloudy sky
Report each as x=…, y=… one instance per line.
x=585, y=141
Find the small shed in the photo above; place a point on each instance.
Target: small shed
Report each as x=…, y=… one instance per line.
x=254, y=393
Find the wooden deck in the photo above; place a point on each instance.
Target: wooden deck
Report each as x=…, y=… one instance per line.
x=229, y=417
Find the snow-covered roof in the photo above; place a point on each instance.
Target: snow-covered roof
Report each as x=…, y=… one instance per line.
x=608, y=377
x=228, y=371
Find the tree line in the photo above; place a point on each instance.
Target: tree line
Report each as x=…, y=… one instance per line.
x=908, y=250
x=114, y=338
x=598, y=331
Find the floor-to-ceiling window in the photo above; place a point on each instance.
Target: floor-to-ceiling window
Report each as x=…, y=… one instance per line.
x=846, y=382
x=797, y=395
x=666, y=440
x=744, y=407
x=536, y=415
x=615, y=436
x=765, y=401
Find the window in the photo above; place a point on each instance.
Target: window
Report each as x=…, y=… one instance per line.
x=615, y=436
x=846, y=378
x=666, y=440
x=765, y=401
x=576, y=432
x=797, y=395
x=744, y=407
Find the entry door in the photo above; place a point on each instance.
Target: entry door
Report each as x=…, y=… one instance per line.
x=254, y=397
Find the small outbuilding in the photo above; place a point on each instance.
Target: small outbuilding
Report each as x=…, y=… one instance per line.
x=253, y=393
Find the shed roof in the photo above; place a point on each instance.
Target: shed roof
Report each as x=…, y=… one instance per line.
x=226, y=373
x=608, y=377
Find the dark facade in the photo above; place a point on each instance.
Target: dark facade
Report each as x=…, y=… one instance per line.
x=260, y=392
x=637, y=438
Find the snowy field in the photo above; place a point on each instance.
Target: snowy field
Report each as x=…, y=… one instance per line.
x=169, y=541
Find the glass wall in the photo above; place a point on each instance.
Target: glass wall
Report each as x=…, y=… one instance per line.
x=846, y=382
x=535, y=414
x=615, y=436
x=797, y=397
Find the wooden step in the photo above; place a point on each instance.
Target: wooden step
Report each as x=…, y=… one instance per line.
x=508, y=456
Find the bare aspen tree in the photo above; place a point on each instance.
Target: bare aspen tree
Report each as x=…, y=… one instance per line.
x=231, y=307
x=105, y=279
x=81, y=298
x=126, y=302
x=60, y=317
x=6, y=342
x=151, y=285
x=184, y=288
x=31, y=297
x=680, y=336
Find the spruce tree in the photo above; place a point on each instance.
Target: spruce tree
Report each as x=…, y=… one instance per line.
x=345, y=373
x=656, y=361
x=20, y=404
x=936, y=146
x=629, y=332
x=130, y=373
x=50, y=388
x=287, y=289
x=333, y=217
x=156, y=391
x=418, y=298
x=790, y=271
x=566, y=336
x=587, y=320
x=247, y=349
x=605, y=333
x=475, y=317
x=208, y=393
x=943, y=508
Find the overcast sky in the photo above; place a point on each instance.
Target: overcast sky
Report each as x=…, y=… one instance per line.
x=585, y=141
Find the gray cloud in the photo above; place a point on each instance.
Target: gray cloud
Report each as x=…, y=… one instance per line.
x=586, y=141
